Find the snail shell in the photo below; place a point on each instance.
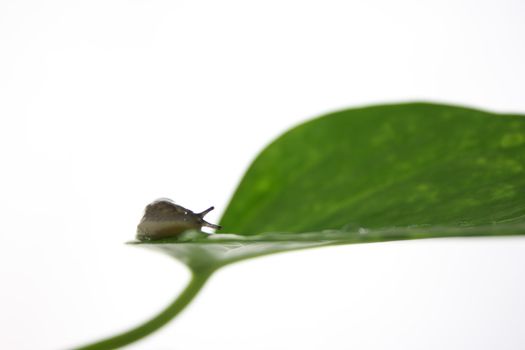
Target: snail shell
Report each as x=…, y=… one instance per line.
x=163, y=218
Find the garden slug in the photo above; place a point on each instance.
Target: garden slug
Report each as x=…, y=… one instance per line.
x=163, y=219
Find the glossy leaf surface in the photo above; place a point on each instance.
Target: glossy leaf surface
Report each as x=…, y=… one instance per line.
x=373, y=174
x=386, y=166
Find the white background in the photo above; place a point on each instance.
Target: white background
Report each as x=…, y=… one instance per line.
x=107, y=105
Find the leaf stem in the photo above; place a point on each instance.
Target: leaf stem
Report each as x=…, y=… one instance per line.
x=197, y=281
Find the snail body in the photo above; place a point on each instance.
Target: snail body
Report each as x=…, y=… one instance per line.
x=163, y=219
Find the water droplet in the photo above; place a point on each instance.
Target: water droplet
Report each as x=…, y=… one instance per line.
x=362, y=231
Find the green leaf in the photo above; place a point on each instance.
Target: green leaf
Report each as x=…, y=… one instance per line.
x=363, y=175
x=386, y=166
x=373, y=174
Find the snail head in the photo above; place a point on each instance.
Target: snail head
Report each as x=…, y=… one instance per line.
x=206, y=223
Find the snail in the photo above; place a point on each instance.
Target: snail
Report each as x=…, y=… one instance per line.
x=163, y=219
